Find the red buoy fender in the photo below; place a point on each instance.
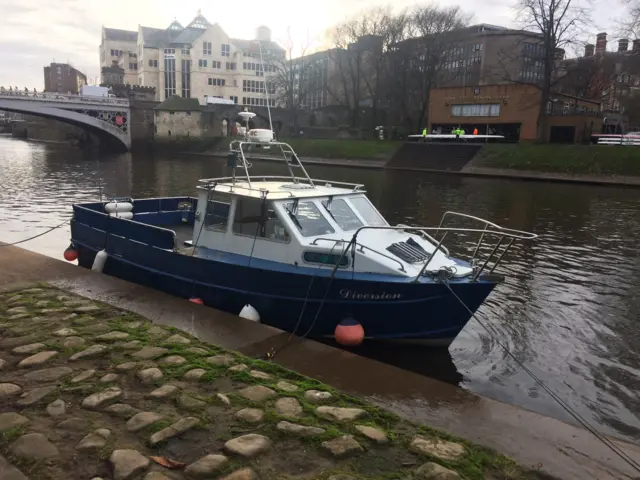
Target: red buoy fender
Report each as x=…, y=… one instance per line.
x=349, y=333
x=196, y=300
x=70, y=254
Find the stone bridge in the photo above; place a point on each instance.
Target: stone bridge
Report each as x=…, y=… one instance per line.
x=106, y=117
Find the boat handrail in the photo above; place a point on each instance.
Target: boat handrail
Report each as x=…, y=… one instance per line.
x=208, y=183
x=237, y=147
x=495, y=230
x=362, y=248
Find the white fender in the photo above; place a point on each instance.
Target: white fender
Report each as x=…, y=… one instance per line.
x=124, y=215
x=99, y=261
x=250, y=313
x=113, y=207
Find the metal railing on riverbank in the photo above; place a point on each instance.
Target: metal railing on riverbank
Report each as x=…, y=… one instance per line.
x=63, y=98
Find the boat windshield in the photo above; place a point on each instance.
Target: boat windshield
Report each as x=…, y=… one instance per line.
x=342, y=214
x=308, y=218
x=371, y=217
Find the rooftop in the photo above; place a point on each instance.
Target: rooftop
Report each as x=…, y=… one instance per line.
x=120, y=35
x=176, y=34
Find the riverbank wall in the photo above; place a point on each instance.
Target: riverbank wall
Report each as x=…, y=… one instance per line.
x=553, y=447
x=582, y=164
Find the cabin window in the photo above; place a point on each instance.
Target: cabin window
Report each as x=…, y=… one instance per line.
x=217, y=215
x=308, y=218
x=255, y=217
x=326, y=258
x=342, y=214
x=371, y=217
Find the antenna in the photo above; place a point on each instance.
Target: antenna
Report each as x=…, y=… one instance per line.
x=266, y=84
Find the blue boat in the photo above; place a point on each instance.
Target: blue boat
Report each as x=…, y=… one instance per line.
x=303, y=255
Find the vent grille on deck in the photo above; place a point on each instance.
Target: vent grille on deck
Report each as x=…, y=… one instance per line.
x=409, y=251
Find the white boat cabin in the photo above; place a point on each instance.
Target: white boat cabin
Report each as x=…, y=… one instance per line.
x=307, y=223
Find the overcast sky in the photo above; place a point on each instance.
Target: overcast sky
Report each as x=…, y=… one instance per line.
x=34, y=33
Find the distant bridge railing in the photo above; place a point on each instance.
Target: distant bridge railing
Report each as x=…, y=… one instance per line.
x=63, y=98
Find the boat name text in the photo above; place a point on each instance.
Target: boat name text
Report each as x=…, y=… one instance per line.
x=350, y=294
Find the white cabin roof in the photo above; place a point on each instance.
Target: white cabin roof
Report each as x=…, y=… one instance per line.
x=280, y=189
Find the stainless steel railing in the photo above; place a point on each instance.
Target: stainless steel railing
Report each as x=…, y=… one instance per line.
x=489, y=230
x=214, y=183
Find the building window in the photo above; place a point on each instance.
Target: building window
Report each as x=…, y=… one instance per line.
x=169, y=51
x=216, y=82
x=234, y=98
x=206, y=48
x=169, y=77
x=257, y=86
x=476, y=110
x=231, y=65
x=258, y=67
x=185, y=51
x=225, y=50
x=116, y=53
x=133, y=66
x=202, y=63
x=216, y=64
x=258, y=102
x=153, y=63
x=186, y=78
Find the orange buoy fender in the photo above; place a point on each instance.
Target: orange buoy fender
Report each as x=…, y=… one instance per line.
x=70, y=254
x=349, y=333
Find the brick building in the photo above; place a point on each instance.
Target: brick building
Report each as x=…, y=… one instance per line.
x=512, y=110
x=63, y=78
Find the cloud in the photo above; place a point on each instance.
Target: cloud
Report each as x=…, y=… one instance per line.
x=34, y=33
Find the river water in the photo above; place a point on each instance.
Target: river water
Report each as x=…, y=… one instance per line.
x=569, y=310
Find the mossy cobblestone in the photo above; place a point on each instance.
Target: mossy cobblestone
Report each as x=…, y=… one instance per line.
x=101, y=393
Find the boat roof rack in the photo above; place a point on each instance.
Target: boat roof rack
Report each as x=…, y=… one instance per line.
x=277, y=186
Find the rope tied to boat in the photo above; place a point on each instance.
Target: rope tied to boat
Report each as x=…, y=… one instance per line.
x=443, y=275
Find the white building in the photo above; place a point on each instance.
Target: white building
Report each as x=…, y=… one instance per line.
x=196, y=61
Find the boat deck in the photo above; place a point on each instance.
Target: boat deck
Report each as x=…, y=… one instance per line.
x=184, y=233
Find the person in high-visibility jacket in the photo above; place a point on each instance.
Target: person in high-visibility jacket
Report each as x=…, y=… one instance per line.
x=475, y=131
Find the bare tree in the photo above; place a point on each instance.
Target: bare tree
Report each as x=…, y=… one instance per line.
x=436, y=33
x=586, y=77
x=290, y=80
x=392, y=59
x=348, y=57
x=558, y=24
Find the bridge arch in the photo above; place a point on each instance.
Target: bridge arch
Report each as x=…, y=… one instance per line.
x=76, y=111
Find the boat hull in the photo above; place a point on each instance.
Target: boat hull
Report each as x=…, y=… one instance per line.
x=299, y=300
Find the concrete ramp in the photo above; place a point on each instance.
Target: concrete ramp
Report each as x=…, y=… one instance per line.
x=433, y=156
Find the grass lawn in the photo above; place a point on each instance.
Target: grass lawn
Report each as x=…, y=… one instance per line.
x=566, y=159
x=337, y=148
x=349, y=149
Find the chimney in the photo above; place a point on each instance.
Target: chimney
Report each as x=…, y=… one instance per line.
x=636, y=45
x=623, y=44
x=601, y=43
x=559, y=54
x=589, y=49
